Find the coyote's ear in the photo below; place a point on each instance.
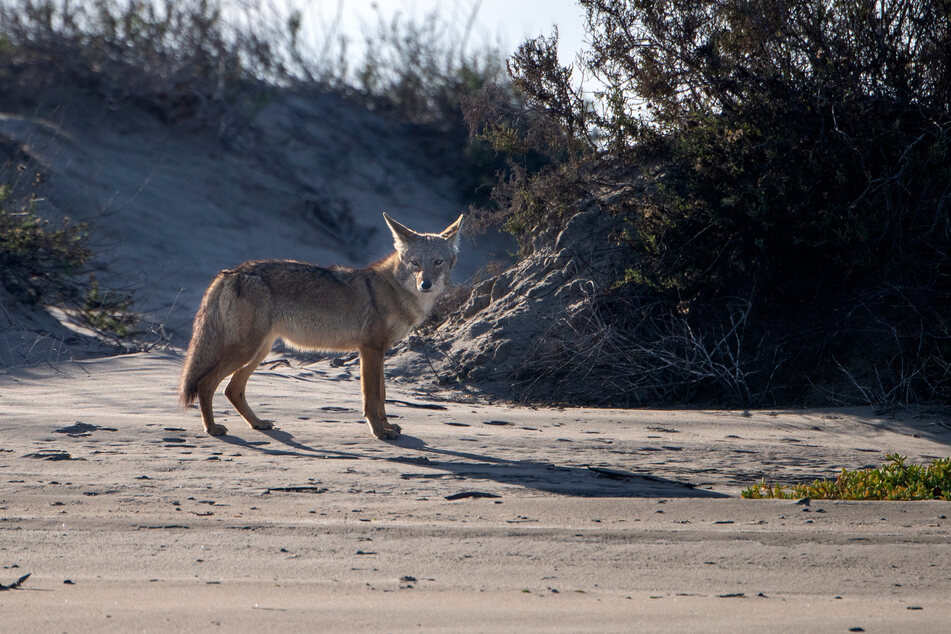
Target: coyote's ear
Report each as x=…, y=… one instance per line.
x=453, y=232
x=403, y=236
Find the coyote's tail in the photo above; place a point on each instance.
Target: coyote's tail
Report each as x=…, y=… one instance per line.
x=205, y=345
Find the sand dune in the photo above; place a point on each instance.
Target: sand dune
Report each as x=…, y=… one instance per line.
x=308, y=178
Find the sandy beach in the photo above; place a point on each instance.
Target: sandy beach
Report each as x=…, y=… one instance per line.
x=479, y=518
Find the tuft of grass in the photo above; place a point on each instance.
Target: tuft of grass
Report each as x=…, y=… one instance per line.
x=895, y=480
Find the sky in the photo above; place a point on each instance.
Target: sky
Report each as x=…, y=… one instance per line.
x=503, y=22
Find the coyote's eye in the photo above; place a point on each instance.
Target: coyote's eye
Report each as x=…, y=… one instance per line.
x=437, y=261
x=414, y=263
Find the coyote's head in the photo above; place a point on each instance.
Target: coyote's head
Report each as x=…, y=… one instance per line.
x=426, y=258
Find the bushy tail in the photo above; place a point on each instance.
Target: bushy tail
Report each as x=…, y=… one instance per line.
x=205, y=345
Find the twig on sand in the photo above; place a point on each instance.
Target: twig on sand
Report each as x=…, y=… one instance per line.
x=16, y=584
x=397, y=401
x=471, y=494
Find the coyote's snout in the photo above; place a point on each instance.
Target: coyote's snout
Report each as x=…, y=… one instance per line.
x=334, y=309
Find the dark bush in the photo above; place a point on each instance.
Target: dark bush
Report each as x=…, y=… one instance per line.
x=794, y=157
x=536, y=126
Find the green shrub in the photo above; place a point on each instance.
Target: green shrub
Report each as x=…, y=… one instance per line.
x=35, y=259
x=40, y=265
x=893, y=481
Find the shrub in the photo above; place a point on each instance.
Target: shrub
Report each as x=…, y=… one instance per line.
x=40, y=266
x=893, y=481
x=790, y=156
x=35, y=259
x=425, y=71
x=537, y=129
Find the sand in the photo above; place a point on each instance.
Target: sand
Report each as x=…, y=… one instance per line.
x=127, y=516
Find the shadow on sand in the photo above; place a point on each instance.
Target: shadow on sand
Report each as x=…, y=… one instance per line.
x=542, y=476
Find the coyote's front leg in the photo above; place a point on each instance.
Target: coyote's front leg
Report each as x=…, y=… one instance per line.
x=374, y=399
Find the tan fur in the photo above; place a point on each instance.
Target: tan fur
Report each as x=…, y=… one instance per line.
x=247, y=308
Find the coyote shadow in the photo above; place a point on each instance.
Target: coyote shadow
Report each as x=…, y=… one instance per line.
x=529, y=474
x=544, y=476
x=296, y=448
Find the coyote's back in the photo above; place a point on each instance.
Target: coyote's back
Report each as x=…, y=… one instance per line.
x=335, y=309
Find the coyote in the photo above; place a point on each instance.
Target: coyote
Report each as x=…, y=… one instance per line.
x=311, y=307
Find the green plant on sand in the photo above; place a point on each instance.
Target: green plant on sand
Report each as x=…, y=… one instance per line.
x=33, y=257
x=39, y=264
x=895, y=480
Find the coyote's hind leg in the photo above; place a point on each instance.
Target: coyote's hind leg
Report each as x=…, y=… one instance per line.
x=239, y=381
x=206, y=393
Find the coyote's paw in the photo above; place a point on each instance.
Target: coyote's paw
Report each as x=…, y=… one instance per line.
x=216, y=429
x=262, y=424
x=385, y=430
